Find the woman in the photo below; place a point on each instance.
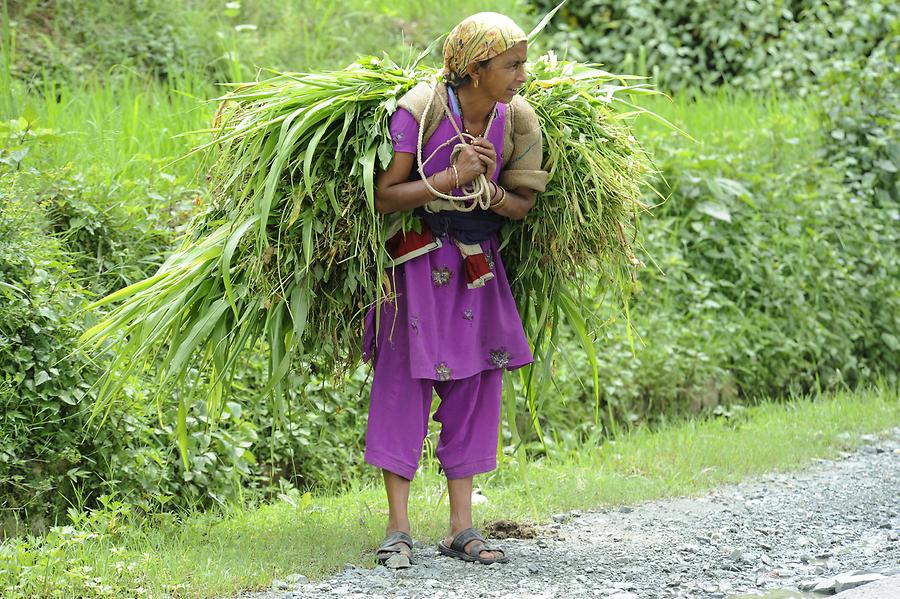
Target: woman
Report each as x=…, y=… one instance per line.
x=449, y=321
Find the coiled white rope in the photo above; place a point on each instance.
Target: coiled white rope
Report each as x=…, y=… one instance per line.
x=479, y=191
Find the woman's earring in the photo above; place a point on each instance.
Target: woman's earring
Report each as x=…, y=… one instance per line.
x=476, y=83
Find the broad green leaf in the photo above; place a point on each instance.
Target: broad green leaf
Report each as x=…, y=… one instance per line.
x=225, y=260
x=181, y=433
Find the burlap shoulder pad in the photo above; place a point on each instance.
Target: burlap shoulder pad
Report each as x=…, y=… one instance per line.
x=522, y=148
x=416, y=99
x=520, y=117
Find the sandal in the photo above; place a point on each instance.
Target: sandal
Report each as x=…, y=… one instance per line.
x=457, y=548
x=387, y=550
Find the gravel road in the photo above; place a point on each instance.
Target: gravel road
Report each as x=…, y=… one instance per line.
x=810, y=533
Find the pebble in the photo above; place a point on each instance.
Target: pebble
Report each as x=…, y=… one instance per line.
x=830, y=528
x=851, y=581
x=397, y=561
x=824, y=586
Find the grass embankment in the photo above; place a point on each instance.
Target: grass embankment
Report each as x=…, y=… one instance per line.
x=243, y=547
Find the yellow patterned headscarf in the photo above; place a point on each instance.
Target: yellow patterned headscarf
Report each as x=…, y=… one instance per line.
x=479, y=37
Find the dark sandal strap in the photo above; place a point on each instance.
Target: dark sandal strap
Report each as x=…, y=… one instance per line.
x=393, y=539
x=463, y=538
x=467, y=536
x=476, y=549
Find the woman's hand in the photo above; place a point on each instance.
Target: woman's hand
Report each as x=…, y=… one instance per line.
x=487, y=154
x=469, y=164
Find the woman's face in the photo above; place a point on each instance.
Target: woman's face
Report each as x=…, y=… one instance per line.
x=504, y=75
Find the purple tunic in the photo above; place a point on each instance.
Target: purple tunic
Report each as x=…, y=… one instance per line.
x=447, y=330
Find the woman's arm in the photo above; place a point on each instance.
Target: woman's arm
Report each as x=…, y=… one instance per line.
x=518, y=203
x=394, y=191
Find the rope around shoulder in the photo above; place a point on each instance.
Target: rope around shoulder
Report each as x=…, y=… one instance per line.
x=479, y=192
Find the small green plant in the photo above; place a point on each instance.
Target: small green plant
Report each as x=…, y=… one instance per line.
x=18, y=136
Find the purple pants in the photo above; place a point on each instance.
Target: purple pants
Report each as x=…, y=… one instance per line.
x=398, y=419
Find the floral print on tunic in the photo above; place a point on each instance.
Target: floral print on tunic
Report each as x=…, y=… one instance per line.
x=440, y=276
x=499, y=357
x=414, y=323
x=442, y=371
x=468, y=314
x=489, y=256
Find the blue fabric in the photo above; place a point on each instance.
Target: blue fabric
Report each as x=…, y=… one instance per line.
x=467, y=227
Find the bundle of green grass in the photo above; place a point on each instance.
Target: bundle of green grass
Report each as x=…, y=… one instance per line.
x=288, y=253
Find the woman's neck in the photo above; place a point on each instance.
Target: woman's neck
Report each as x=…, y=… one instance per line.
x=475, y=106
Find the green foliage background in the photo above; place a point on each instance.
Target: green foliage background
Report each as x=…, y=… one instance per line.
x=754, y=45
x=772, y=267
